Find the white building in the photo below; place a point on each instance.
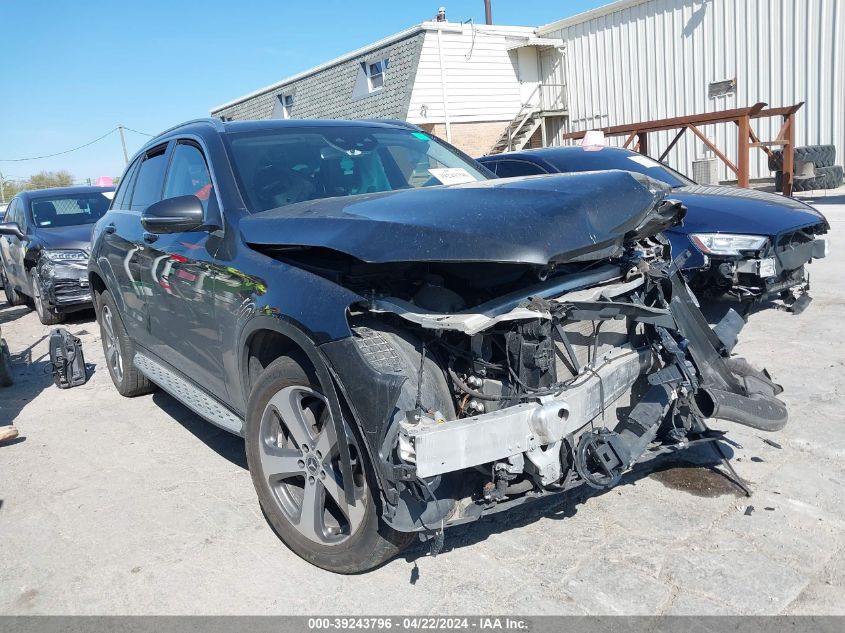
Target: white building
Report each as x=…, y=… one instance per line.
x=486, y=87
x=463, y=82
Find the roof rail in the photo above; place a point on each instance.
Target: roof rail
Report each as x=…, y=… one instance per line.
x=216, y=123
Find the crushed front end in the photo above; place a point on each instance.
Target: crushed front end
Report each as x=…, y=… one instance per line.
x=573, y=381
x=758, y=268
x=501, y=361
x=64, y=280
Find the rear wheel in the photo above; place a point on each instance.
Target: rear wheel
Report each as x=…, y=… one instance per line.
x=47, y=315
x=13, y=297
x=294, y=459
x=119, y=350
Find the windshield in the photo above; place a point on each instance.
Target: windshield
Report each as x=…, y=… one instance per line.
x=284, y=166
x=69, y=210
x=577, y=159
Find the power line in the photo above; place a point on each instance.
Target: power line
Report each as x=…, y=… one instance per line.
x=137, y=132
x=67, y=151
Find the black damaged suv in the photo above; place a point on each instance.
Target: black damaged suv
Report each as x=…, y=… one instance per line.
x=44, y=241
x=405, y=342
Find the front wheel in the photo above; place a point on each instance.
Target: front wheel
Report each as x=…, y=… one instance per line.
x=46, y=314
x=293, y=457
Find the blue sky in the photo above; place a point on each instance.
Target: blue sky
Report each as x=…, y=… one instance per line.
x=74, y=70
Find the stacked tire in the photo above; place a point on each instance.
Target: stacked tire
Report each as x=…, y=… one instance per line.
x=828, y=175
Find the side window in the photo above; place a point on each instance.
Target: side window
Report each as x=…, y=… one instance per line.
x=188, y=174
x=148, y=182
x=121, y=196
x=513, y=168
x=20, y=215
x=12, y=211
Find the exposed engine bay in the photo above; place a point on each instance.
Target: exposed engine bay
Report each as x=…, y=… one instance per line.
x=572, y=380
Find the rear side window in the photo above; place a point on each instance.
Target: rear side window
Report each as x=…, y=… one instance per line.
x=122, y=194
x=149, y=181
x=188, y=174
x=513, y=168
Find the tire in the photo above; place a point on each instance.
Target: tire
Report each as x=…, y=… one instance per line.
x=119, y=350
x=343, y=543
x=46, y=314
x=819, y=155
x=13, y=297
x=825, y=178
x=5, y=365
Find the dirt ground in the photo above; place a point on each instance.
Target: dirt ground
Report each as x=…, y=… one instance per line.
x=119, y=506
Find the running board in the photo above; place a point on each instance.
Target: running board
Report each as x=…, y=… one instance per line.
x=192, y=397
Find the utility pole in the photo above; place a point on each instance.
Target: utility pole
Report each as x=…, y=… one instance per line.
x=2, y=190
x=123, y=143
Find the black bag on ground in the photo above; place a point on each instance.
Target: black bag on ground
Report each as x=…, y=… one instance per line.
x=67, y=359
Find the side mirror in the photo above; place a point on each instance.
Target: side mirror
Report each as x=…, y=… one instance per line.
x=12, y=229
x=174, y=215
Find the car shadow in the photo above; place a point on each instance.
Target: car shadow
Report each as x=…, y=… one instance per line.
x=685, y=473
x=819, y=197
x=9, y=314
x=225, y=444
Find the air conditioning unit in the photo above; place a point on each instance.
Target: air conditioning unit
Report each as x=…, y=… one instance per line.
x=705, y=171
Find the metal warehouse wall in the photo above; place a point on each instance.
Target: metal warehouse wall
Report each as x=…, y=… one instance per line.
x=654, y=59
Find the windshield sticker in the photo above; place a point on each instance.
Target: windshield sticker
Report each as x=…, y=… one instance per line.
x=645, y=161
x=451, y=175
x=108, y=194
x=421, y=136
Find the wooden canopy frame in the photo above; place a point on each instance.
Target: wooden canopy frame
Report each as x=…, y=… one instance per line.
x=747, y=137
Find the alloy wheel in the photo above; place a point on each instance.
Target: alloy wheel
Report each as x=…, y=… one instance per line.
x=36, y=294
x=301, y=463
x=112, y=346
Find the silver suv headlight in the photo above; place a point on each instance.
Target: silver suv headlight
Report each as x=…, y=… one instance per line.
x=65, y=255
x=727, y=243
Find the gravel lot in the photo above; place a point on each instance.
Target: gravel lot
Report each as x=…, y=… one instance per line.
x=118, y=506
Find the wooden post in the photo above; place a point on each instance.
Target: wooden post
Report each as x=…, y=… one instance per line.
x=788, y=155
x=642, y=143
x=743, y=149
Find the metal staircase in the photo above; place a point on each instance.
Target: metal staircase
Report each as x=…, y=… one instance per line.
x=518, y=132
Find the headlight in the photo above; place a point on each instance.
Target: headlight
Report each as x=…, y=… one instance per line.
x=65, y=256
x=727, y=243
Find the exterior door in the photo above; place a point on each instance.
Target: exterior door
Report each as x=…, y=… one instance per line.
x=553, y=79
x=181, y=305
x=14, y=249
x=123, y=250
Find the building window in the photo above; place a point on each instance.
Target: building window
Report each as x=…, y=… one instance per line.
x=375, y=74
x=283, y=107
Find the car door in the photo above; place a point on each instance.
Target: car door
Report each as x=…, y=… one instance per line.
x=14, y=248
x=6, y=240
x=123, y=250
x=181, y=304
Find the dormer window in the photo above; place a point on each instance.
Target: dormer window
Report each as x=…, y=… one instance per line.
x=375, y=74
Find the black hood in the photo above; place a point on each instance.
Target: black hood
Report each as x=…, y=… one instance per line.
x=69, y=237
x=534, y=220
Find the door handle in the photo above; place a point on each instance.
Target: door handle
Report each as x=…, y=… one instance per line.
x=109, y=228
x=149, y=238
